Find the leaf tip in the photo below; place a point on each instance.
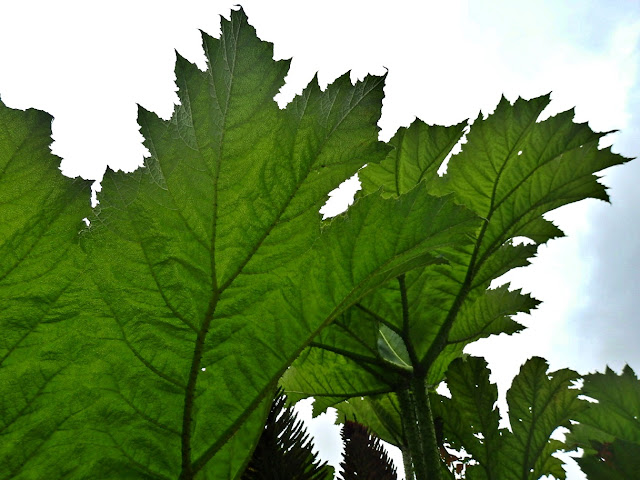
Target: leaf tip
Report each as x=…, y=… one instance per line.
x=181, y=61
x=237, y=12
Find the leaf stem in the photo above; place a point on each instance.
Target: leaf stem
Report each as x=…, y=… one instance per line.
x=427, y=429
x=408, y=463
x=360, y=359
x=415, y=361
x=412, y=433
x=423, y=456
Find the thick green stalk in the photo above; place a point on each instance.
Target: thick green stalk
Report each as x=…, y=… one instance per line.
x=412, y=432
x=427, y=429
x=423, y=456
x=416, y=409
x=408, y=464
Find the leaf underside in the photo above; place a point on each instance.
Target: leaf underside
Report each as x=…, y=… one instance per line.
x=512, y=170
x=609, y=430
x=539, y=402
x=149, y=345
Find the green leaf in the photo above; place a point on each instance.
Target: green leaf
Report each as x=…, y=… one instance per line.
x=617, y=413
x=231, y=460
x=335, y=379
x=539, y=403
x=609, y=430
x=617, y=460
x=207, y=271
x=392, y=348
x=511, y=171
x=445, y=224
x=41, y=270
x=381, y=413
x=474, y=399
x=417, y=155
x=490, y=314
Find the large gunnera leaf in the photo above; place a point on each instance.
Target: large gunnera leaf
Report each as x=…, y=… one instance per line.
x=539, y=402
x=206, y=273
x=609, y=430
x=41, y=270
x=512, y=169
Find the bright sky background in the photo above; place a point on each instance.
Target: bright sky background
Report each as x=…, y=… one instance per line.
x=90, y=63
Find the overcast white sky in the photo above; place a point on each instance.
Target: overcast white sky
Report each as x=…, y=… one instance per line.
x=90, y=63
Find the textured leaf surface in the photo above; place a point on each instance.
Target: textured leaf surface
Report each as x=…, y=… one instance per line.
x=475, y=399
x=380, y=413
x=231, y=460
x=620, y=460
x=211, y=270
x=418, y=153
x=539, y=402
x=511, y=171
x=617, y=413
x=392, y=348
x=335, y=379
x=490, y=314
x=609, y=431
x=40, y=269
